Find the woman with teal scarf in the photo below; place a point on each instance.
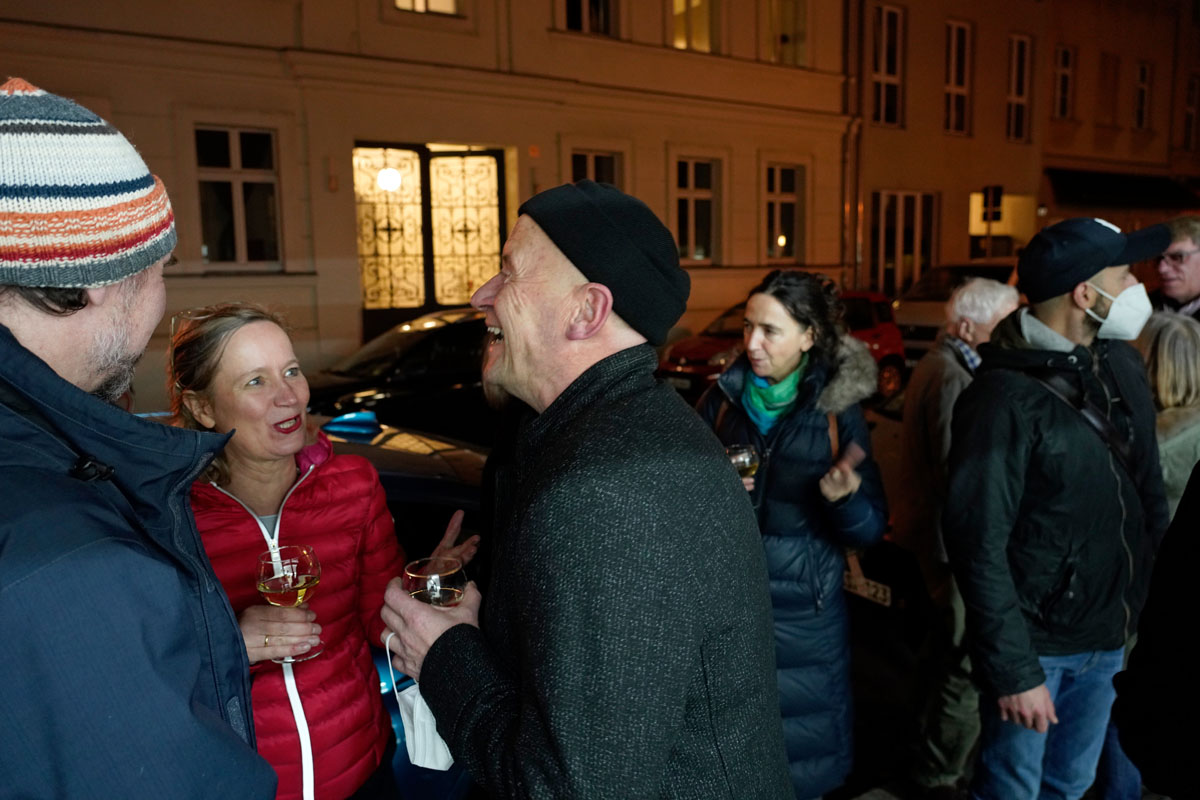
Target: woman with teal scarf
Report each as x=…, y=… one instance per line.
x=794, y=392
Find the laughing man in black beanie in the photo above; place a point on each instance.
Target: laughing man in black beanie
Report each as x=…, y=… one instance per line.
x=1055, y=507
x=626, y=645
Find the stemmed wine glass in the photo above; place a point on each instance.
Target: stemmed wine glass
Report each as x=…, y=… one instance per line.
x=744, y=458
x=438, y=580
x=287, y=577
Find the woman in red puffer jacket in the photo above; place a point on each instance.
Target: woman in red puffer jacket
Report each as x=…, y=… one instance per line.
x=320, y=721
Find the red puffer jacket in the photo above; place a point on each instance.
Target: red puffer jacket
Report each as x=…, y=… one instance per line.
x=337, y=506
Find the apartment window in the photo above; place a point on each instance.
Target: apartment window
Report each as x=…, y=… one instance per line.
x=596, y=165
x=239, y=197
x=785, y=213
x=592, y=16
x=887, y=77
x=1017, y=108
x=692, y=25
x=1190, y=107
x=1141, y=97
x=1064, y=82
x=903, y=232
x=956, y=110
x=428, y=6
x=697, y=194
x=1110, y=78
x=788, y=32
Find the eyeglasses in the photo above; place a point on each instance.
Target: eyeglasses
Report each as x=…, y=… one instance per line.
x=1178, y=256
x=191, y=315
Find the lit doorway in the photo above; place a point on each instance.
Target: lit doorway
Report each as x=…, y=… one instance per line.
x=430, y=227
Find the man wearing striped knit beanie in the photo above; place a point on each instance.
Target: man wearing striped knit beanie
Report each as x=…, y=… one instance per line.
x=123, y=668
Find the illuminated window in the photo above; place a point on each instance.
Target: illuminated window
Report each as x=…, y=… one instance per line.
x=693, y=24
x=596, y=165
x=903, y=232
x=785, y=213
x=429, y=223
x=239, y=206
x=887, y=66
x=697, y=196
x=1017, y=122
x=957, y=111
x=592, y=16
x=1141, y=97
x=428, y=6
x=1190, y=107
x=788, y=32
x=1064, y=82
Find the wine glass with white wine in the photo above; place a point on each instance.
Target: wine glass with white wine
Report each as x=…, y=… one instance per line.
x=744, y=458
x=287, y=577
x=438, y=580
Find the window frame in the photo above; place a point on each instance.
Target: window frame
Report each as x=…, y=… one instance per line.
x=714, y=42
x=881, y=77
x=715, y=195
x=458, y=10
x=772, y=201
x=237, y=177
x=771, y=43
x=590, y=154
x=616, y=18
x=1142, y=89
x=1063, y=102
x=1019, y=92
x=952, y=89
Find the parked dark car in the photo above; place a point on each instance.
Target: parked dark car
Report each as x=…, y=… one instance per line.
x=921, y=311
x=692, y=364
x=422, y=375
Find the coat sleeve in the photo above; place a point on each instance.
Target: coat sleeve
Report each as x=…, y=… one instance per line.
x=380, y=557
x=606, y=625
x=99, y=665
x=859, y=519
x=989, y=454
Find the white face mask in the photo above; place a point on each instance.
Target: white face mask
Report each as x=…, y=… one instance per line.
x=1127, y=314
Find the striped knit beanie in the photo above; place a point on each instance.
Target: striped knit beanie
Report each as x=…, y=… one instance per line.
x=78, y=207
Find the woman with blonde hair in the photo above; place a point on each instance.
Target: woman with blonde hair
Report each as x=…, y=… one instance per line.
x=1170, y=345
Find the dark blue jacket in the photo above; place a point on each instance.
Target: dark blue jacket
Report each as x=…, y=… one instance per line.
x=122, y=669
x=805, y=537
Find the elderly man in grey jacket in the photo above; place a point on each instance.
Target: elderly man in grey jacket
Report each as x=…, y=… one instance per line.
x=951, y=721
x=625, y=647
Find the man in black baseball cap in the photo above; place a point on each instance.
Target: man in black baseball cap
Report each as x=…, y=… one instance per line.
x=1056, y=506
x=591, y=671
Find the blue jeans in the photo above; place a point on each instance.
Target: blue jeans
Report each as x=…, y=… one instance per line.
x=1016, y=763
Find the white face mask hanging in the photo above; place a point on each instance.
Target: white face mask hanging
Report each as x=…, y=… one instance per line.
x=1127, y=314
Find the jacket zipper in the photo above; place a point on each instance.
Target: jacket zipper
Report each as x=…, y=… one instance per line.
x=1112, y=467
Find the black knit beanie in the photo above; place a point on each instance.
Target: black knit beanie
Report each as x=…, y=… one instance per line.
x=1068, y=253
x=617, y=241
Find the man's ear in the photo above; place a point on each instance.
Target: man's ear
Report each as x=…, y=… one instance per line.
x=593, y=307
x=965, y=330
x=99, y=295
x=1084, y=295
x=200, y=408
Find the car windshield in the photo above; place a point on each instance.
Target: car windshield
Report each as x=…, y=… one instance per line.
x=729, y=324
x=858, y=313
x=377, y=356
x=940, y=283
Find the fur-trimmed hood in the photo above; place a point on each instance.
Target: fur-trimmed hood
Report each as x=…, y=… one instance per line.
x=855, y=377
x=851, y=378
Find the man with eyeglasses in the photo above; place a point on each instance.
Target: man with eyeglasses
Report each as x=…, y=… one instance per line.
x=1179, y=269
x=124, y=672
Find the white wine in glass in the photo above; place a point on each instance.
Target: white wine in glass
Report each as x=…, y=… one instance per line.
x=438, y=581
x=287, y=577
x=744, y=458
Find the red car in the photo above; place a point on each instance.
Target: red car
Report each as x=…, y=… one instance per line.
x=692, y=364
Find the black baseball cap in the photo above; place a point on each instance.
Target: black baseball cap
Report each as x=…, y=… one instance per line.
x=1064, y=255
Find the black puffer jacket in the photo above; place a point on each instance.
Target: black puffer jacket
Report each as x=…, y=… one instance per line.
x=1050, y=538
x=805, y=537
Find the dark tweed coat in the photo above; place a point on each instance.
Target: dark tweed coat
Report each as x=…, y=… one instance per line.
x=626, y=648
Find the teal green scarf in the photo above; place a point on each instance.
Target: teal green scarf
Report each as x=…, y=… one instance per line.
x=765, y=403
